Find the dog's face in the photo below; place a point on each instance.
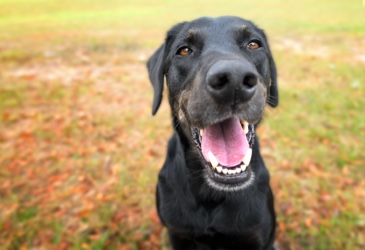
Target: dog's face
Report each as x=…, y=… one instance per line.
x=220, y=76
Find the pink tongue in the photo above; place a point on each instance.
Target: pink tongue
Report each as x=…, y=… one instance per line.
x=227, y=141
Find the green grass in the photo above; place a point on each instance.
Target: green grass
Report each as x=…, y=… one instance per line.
x=80, y=152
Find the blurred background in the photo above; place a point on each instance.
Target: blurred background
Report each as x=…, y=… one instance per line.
x=80, y=151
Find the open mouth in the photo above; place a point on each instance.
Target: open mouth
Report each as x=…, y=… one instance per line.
x=227, y=149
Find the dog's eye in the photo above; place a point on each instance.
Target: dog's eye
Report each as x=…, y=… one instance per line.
x=253, y=45
x=184, y=51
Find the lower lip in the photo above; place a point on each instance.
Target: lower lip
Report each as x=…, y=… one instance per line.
x=229, y=179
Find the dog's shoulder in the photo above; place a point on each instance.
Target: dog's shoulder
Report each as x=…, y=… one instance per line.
x=173, y=177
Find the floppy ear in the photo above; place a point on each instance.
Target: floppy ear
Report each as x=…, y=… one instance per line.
x=273, y=100
x=273, y=92
x=156, y=73
x=156, y=66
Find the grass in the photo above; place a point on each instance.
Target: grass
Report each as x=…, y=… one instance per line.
x=80, y=152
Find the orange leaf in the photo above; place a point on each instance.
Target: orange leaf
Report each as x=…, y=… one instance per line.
x=154, y=216
x=308, y=222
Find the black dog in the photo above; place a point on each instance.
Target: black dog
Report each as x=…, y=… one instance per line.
x=211, y=194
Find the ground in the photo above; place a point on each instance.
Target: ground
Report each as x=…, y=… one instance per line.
x=80, y=151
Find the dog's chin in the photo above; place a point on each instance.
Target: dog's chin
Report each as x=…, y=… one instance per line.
x=228, y=183
x=219, y=173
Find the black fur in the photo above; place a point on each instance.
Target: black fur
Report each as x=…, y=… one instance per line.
x=197, y=215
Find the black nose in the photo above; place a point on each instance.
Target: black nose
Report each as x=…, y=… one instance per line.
x=231, y=81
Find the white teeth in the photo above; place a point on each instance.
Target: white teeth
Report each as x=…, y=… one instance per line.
x=219, y=169
x=243, y=167
x=212, y=159
x=201, y=132
x=246, y=160
x=245, y=127
x=237, y=170
x=225, y=170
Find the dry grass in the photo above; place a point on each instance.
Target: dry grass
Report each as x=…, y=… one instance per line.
x=80, y=152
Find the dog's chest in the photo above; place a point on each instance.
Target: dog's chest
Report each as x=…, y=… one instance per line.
x=201, y=220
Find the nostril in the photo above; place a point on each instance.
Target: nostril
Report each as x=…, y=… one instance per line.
x=250, y=81
x=219, y=81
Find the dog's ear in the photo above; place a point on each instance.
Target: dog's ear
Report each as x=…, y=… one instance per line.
x=156, y=73
x=156, y=66
x=273, y=99
x=273, y=91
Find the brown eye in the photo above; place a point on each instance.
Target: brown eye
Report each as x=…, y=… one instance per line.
x=184, y=51
x=253, y=45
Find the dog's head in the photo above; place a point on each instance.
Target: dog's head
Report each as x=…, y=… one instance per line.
x=220, y=75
